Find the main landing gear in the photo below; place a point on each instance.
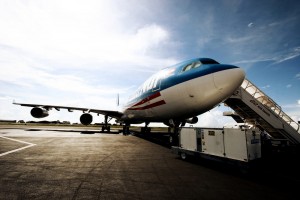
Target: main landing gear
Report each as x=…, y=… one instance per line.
x=174, y=133
x=146, y=129
x=174, y=136
x=126, y=129
x=106, y=127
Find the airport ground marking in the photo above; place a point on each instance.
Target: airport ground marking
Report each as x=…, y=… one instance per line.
x=18, y=149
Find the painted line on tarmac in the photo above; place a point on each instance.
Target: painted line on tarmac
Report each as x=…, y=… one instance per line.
x=19, y=149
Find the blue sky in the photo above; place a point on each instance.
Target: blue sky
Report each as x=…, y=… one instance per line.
x=82, y=53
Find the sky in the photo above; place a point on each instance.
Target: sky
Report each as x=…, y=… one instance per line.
x=84, y=53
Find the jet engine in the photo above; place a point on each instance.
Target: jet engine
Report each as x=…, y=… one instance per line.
x=39, y=112
x=86, y=119
x=192, y=120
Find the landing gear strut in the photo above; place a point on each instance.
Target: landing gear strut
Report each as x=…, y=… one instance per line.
x=174, y=133
x=106, y=126
x=146, y=129
x=126, y=129
x=173, y=136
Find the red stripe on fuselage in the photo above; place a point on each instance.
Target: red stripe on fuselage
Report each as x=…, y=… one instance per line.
x=153, y=96
x=162, y=102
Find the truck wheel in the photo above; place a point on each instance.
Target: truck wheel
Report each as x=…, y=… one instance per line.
x=183, y=156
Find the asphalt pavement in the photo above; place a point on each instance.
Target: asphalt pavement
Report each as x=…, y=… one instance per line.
x=68, y=164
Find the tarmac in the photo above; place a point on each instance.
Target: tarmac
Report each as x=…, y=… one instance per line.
x=86, y=164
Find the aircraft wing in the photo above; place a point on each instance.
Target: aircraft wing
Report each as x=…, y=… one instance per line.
x=110, y=113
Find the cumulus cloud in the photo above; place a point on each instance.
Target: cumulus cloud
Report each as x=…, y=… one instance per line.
x=85, y=31
x=66, y=52
x=214, y=118
x=87, y=35
x=149, y=35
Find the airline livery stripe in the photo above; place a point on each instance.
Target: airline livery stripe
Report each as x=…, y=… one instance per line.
x=153, y=96
x=162, y=102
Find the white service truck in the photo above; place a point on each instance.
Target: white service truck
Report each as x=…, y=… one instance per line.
x=236, y=143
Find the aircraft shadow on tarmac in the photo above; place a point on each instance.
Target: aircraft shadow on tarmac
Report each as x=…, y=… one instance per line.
x=268, y=171
x=74, y=131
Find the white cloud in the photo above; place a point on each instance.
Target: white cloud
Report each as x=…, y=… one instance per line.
x=298, y=76
x=275, y=59
x=266, y=87
x=289, y=86
x=148, y=36
x=84, y=32
x=291, y=54
x=293, y=110
x=76, y=53
x=244, y=39
x=214, y=118
x=252, y=61
x=251, y=24
x=86, y=35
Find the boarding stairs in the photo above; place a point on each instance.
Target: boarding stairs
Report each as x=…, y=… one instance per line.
x=253, y=106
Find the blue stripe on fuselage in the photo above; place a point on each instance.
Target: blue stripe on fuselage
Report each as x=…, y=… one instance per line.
x=180, y=76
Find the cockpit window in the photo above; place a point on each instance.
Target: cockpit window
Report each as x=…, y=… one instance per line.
x=191, y=66
x=197, y=64
x=188, y=67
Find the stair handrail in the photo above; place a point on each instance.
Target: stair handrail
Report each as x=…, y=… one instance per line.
x=265, y=100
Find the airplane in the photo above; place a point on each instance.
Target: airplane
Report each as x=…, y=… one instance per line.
x=175, y=95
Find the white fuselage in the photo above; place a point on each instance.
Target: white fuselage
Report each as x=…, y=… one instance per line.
x=187, y=99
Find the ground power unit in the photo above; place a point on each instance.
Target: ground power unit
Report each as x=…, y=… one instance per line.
x=236, y=143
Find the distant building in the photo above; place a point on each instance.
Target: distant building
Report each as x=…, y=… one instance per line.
x=8, y=121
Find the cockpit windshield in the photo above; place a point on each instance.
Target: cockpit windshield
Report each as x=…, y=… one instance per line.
x=198, y=63
x=192, y=66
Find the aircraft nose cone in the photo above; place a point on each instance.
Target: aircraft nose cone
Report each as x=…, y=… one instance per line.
x=228, y=80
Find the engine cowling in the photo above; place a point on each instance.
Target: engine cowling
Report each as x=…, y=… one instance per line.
x=39, y=112
x=192, y=120
x=86, y=119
